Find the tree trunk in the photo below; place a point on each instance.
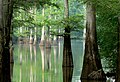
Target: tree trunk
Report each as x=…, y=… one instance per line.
x=118, y=57
x=5, y=26
x=35, y=36
x=92, y=60
x=20, y=39
x=42, y=42
x=55, y=40
x=1, y=39
x=35, y=28
x=48, y=41
x=67, y=52
x=31, y=38
x=55, y=37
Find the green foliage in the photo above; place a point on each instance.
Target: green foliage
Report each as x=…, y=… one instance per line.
x=28, y=14
x=107, y=13
x=22, y=19
x=30, y=3
x=76, y=21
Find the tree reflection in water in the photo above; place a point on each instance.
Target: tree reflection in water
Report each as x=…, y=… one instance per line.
x=55, y=48
x=11, y=62
x=67, y=74
x=92, y=81
x=46, y=60
x=31, y=69
x=11, y=70
x=20, y=54
x=42, y=56
x=39, y=64
x=35, y=62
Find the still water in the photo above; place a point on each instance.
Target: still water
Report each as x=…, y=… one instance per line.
x=41, y=64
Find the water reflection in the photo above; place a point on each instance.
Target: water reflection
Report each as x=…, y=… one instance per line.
x=42, y=56
x=31, y=54
x=41, y=64
x=20, y=53
x=31, y=66
x=55, y=50
x=92, y=81
x=20, y=59
x=31, y=74
x=20, y=75
x=35, y=53
x=67, y=74
x=46, y=62
x=11, y=62
x=48, y=58
x=11, y=70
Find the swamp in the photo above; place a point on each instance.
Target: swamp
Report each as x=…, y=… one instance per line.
x=59, y=41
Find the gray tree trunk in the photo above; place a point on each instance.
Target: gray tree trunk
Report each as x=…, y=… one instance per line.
x=92, y=63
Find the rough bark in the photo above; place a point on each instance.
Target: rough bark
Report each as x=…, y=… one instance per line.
x=118, y=57
x=67, y=52
x=92, y=60
x=1, y=39
x=5, y=26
